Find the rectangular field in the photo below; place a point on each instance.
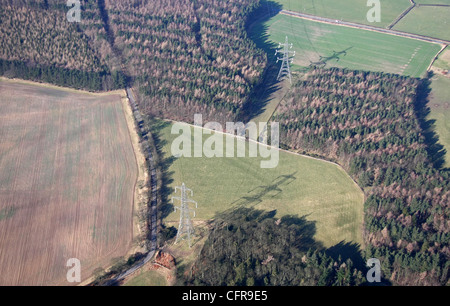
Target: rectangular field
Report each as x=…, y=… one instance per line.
x=67, y=177
x=430, y=21
x=345, y=47
x=302, y=186
x=347, y=10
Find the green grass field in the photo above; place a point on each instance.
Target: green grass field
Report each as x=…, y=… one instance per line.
x=428, y=21
x=147, y=278
x=348, y=10
x=355, y=48
x=433, y=2
x=440, y=111
x=321, y=191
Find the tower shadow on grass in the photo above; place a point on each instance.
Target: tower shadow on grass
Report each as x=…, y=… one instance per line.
x=259, y=193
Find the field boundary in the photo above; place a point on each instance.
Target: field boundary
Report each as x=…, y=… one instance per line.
x=272, y=147
x=365, y=27
x=403, y=14
x=67, y=89
x=140, y=193
x=437, y=55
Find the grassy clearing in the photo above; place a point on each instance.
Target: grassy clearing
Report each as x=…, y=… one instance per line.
x=184, y=256
x=348, y=10
x=351, y=48
x=301, y=186
x=273, y=100
x=428, y=21
x=67, y=172
x=147, y=278
x=440, y=111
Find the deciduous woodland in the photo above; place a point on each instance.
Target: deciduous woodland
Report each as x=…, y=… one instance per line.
x=184, y=56
x=368, y=123
x=188, y=57
x=38, y=43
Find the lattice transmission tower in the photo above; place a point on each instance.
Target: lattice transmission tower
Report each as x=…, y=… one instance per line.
x=185, y=227
x=287, y=59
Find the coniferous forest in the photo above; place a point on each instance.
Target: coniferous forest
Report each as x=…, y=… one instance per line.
x=248, y=247
x=369, y=123
x=183, y=56
x=188, y=57
x=39, y=44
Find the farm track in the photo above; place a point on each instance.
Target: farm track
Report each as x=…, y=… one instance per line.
x=145, y=146
x=153, y=202
x=409, y=9
x=365, y=27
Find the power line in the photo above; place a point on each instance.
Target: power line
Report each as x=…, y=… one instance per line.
x=185, y=226
x=306, y=31
x=287, y=59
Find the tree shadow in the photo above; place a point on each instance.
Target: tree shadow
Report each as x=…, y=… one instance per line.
x=258, y=32
x=436, y=151
x=162, y=163
x=307, y=231
x=304, y=229
x=351, y=250
x=348, y=250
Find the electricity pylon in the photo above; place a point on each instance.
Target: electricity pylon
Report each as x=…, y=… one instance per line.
x=185, y=226
x=285, y=68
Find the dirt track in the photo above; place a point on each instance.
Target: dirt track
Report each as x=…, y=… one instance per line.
x=152, y=210
x=365, y=27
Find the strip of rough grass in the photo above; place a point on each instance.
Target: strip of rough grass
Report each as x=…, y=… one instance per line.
x=440, y=111
x=348, y=10
x=430, y=21
x=443, y=61
x=321, y=191
x=345, y=47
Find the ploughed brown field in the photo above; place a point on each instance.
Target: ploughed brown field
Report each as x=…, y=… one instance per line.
x=67, y=177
